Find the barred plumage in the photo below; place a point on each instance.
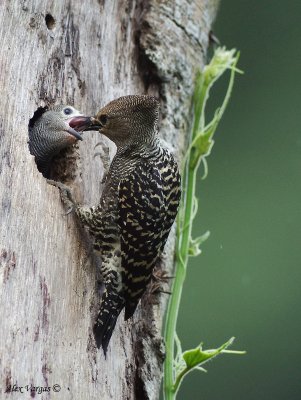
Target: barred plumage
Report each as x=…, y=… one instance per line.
x=138, y=206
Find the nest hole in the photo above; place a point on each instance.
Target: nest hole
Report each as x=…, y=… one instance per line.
x=36, y=115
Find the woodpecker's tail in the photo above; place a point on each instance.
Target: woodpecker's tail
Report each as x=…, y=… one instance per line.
x=111, y=306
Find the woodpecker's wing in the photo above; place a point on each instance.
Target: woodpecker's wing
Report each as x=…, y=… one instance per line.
x=172, y=194
x=142, y=212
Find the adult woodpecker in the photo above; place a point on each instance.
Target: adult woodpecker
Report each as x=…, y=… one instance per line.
x=138, y=206
x=52, y=131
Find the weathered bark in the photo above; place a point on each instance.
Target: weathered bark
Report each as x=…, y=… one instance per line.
x=86, y=54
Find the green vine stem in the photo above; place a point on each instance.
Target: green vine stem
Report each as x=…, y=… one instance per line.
x=199, y=148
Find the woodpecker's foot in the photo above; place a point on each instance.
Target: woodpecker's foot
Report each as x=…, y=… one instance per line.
x=104, y=154
x=159, y=275
x=159, y=278
x=157, y=288
x=66, y=195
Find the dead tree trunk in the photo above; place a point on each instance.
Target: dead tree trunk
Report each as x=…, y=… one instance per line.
x=86, y=54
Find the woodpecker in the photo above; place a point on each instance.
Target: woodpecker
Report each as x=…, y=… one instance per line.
x=138, y=206
x=51, y=131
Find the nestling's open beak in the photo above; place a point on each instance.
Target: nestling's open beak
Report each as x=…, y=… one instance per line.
x=74, y=133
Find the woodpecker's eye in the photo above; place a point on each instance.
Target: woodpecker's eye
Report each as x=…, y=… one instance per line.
x=68, y=111
x=103, y=119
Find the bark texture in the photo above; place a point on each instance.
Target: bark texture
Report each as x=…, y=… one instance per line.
x=84, y=54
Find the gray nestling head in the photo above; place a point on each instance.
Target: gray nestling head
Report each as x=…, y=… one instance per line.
x=53, y=130
x=129, y=120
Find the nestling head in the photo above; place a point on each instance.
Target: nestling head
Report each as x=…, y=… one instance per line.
x=54, y=129
x=129, y=119
x=61, y=124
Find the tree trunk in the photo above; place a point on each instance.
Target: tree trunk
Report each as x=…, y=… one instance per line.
x=84, y=54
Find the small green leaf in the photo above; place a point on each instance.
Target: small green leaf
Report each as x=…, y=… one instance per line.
x=194, y=249
x=197, y=356
x=194, y=358
x=202, y=137
x=203, y=144
x=221, y=61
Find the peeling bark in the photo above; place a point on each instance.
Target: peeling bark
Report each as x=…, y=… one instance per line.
x=83, y=54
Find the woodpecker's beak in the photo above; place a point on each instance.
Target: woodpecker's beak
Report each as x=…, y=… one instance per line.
x=94, y=125
x=80, y=123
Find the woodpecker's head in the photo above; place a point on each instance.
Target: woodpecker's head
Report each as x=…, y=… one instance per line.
x=54, y=129
x=129, y=120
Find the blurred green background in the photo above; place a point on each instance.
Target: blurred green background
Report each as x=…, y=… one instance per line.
x=247, y=281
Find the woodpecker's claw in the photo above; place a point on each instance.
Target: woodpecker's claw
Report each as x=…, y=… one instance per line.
x=159, y=278
x=156, y=288
x=66, y=195
x=159, y=275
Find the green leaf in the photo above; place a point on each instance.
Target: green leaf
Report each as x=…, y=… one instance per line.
x=194, y=249
x=221, y=61
x=203, y=143
x=194, y=358
x=202, y=137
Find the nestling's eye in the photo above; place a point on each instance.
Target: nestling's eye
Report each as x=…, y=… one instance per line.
x=103, y=119
x=68, y=111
